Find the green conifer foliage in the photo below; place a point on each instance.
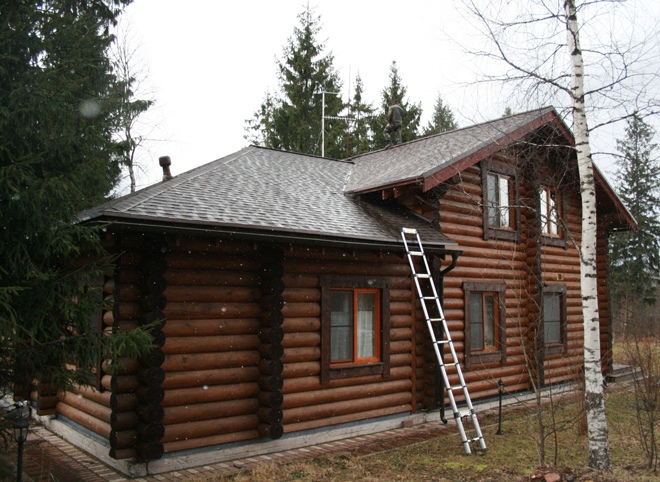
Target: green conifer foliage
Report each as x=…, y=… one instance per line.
x=635, y=257
x=56, y=159
x=291, y=119
x=413, y=111
x=442, y=120
x=361, y=135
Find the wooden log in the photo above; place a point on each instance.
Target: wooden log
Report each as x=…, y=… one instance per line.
x=210, y=277
x=272, y=431
x=316, y=267
x=332, y=395
x=209, y=441
x=212, y=310
x=271, y=367
x=186, y=260
x=297, y=340
x=210, y=327
x=206, y=361
x=353, y=417
x=151, y=432
x=208, y=344
x=123, y=366
x=305, y=369
x=151, y=413
x=270, y=382
x=315, y=412
x=311, y=383
x=123, y=402
x=301, y=310
x=299, y=325
x=301, y=295
x=85, y=405
x=301, y=354
x=186, y=396
x=271, y=351
x=210, y=377
x=269, y=415
x=207, y=294
x=209, y=410
x=205, y=428
x=123, y=420
x=150, y=451
x=123, y=439
x=120, y=384
x=151, y=376
x=120, y=454
x=86, y=420
x=150, y=394
x=270, y=398
x=271, y=335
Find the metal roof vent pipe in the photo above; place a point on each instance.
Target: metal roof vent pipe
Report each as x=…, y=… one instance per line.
x=165, y=162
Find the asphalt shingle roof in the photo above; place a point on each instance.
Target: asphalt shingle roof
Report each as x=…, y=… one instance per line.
x=421, y=158
x=269, y=191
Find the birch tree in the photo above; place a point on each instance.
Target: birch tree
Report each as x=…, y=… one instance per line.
x=534, y=48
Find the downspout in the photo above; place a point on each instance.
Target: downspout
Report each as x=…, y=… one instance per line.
x=438, y=279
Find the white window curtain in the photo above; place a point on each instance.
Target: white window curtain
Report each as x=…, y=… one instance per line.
x=366, y=325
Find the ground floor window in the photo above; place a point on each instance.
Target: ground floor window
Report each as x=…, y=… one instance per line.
x=485, y=322
x=354, y=327
x=554, y=319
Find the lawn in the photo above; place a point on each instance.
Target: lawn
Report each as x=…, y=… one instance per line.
x=511, y=457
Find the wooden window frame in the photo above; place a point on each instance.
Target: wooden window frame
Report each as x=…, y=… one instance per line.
x=511, y=233
x=548, y=239
x=562, y=346
x=491, y=355
x=381, y=366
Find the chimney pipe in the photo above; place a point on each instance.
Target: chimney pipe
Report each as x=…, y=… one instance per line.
x=165, y=162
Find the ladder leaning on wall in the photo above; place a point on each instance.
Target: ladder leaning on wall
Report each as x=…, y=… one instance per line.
x=428, y=298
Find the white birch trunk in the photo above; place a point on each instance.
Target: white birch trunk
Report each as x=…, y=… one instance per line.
x=599, y=453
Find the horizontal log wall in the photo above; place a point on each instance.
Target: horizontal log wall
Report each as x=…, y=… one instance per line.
x=211, y=363
x=461, y=218
x=308, y=403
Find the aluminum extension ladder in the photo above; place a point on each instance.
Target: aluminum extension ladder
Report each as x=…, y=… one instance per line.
x=428, y=297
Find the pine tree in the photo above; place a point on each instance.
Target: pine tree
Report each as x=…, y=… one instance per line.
x=304, y=74
x=56, y=159
x=361, y=137
x=442, y=121
x=413, y=112
x=635, y=256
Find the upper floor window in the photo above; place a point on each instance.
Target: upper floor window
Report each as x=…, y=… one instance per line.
x=549, y=211
x=500, y=201
x=485, y=322
x=355, y=327
x=554, y=319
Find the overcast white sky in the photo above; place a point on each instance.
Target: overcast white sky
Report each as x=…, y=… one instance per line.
x=210, y=63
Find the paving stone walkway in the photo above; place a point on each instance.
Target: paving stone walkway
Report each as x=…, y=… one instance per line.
x=49, y=458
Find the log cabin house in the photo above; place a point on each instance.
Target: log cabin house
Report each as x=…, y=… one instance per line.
x=286, y=305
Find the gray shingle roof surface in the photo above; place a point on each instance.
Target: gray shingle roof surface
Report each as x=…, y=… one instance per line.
x=271, y=191
x=423, y=157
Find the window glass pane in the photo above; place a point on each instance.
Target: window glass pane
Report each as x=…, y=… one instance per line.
x=366, y=336
x=489, y=325
x=493, y=201
x=551, y=318
x=552, y=213
x=341, y=322
x=505, y=215
x=476, y=322
x=543, y=209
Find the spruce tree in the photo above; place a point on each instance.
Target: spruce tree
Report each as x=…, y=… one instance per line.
x=396, y=91
x=57, y=157
x=442, y=120
x=635, y=256
x=361, y=135
x=304, y=73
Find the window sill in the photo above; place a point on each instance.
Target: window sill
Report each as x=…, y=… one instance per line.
x=548, y=240
x=482, y=358
x=503, y=234
x=554, y=349
x=349, y=371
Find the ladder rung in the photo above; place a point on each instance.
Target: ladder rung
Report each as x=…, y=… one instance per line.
x=442, y=342
x=436, y=320
x=458, y=387
x=422, y=275
x=416, y=253
x=429, y=297
x=475, y=439
x=409, y=230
